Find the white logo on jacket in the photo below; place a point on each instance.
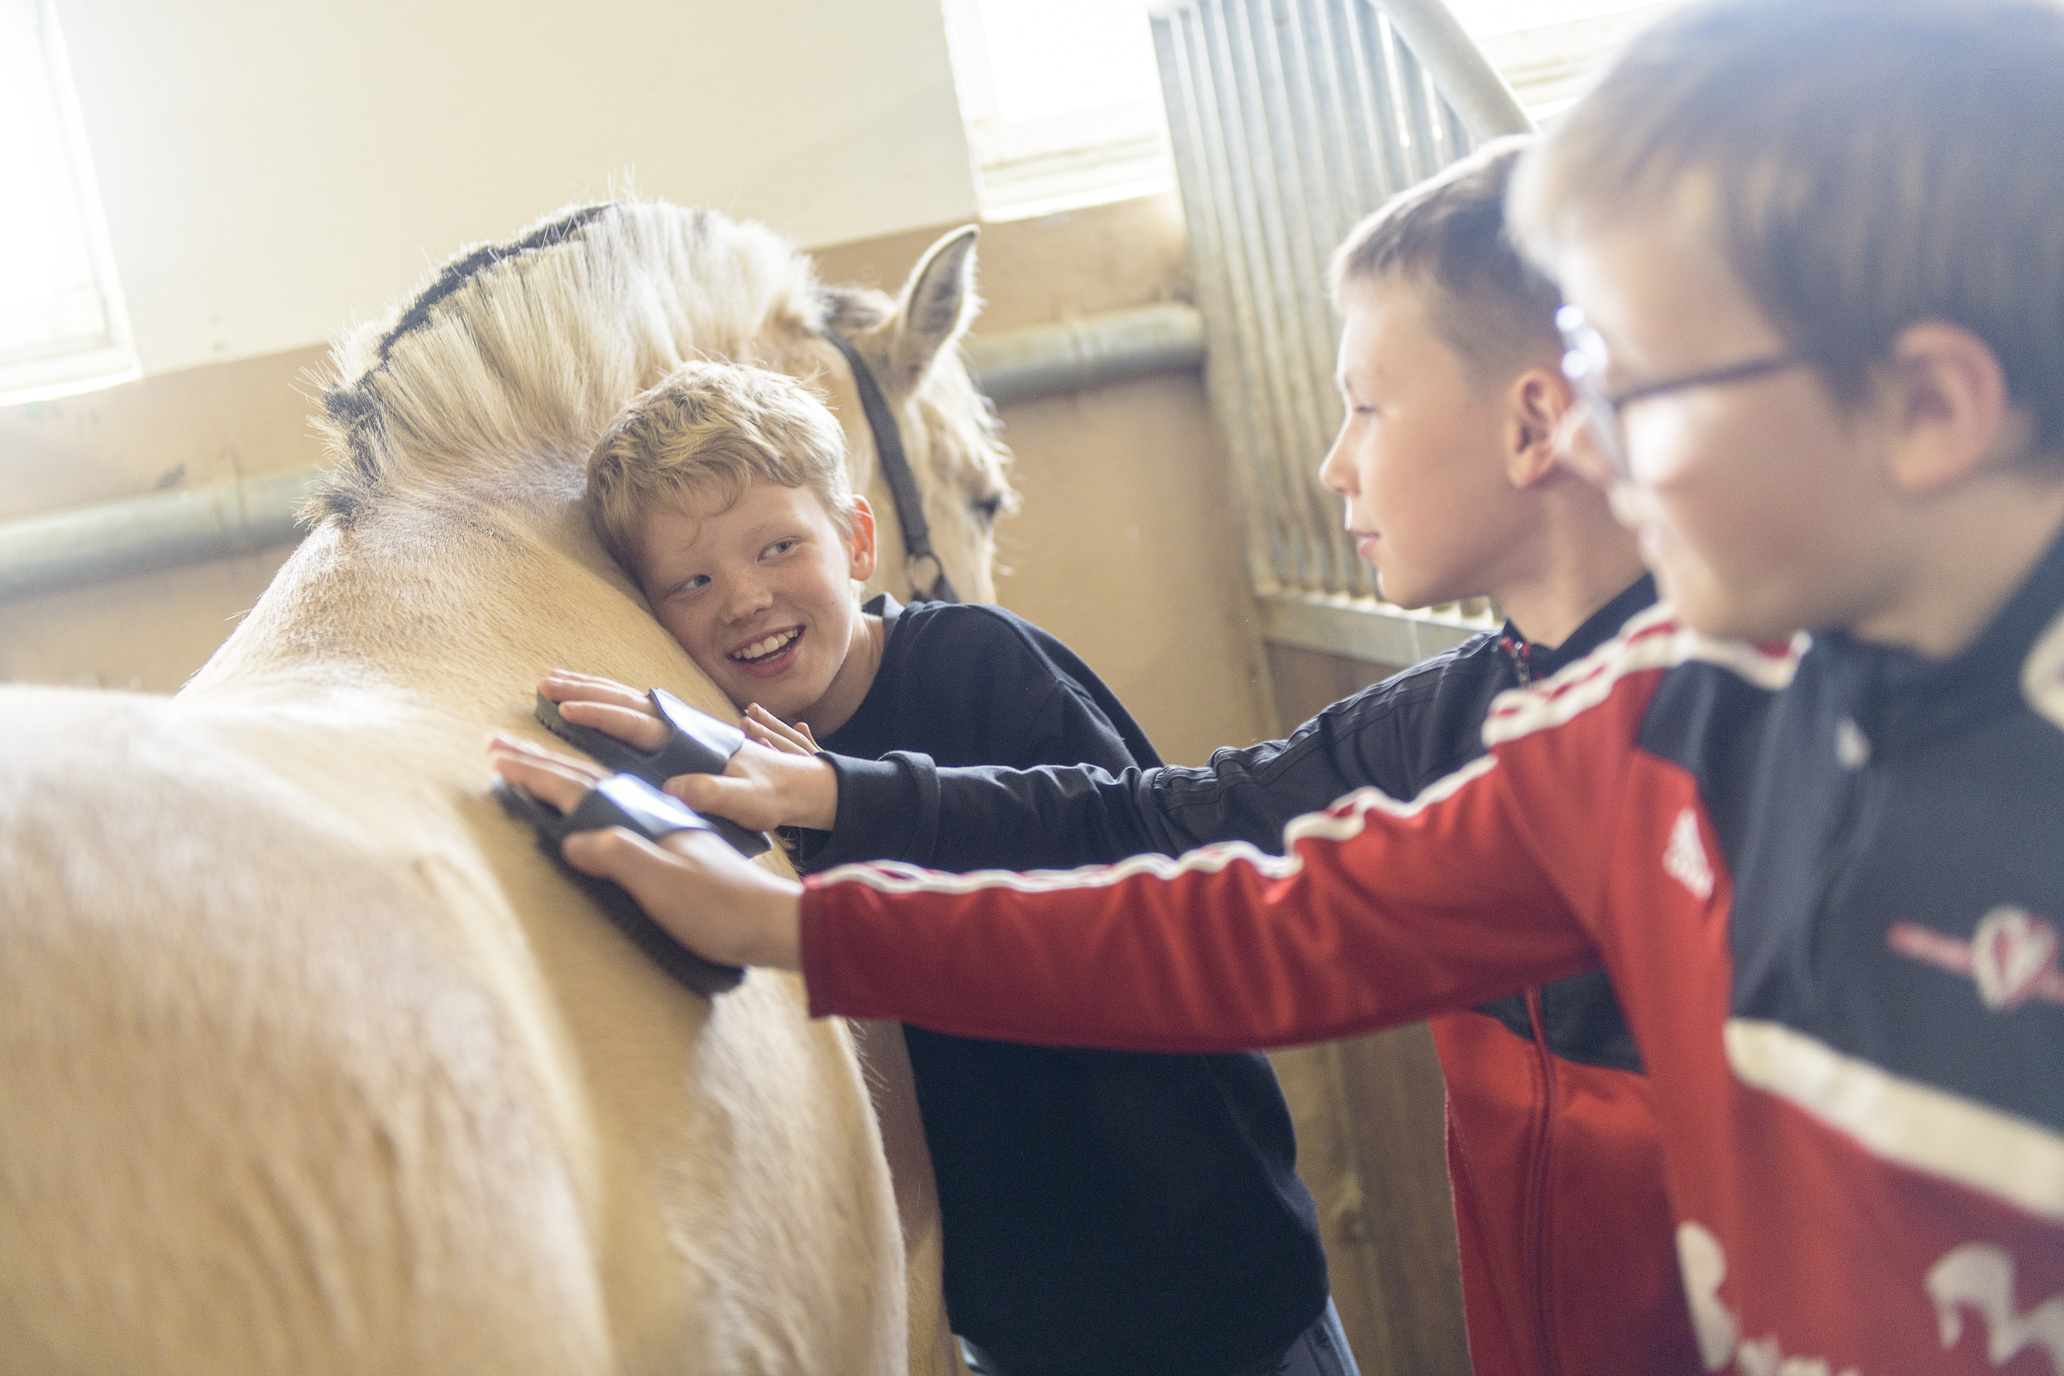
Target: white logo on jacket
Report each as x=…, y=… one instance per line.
x=1980, y=1278
x=1715, y=1326
x=1976, y=1276
x=1684, y=859
x=2042, y=673
x=2011, y=957
x=1712, y=1322
x=2010, y=953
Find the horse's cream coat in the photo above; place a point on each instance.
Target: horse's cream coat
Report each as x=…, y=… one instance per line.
x=313, y=1062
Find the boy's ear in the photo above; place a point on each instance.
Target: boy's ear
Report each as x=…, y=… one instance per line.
x=1537, y=402
x=938, y=305
x=862, y=542
x=1946, y=403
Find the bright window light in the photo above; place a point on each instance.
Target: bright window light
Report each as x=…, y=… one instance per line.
x=1549, y=50
x=1062, y=97
x=62, y=325
x=1060, y=56
x=1062, y=102
x=1485, y=17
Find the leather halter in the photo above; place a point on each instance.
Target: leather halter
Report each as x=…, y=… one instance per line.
x=895, y=466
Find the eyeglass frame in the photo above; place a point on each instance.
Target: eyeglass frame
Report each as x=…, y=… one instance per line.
x=1585, y=359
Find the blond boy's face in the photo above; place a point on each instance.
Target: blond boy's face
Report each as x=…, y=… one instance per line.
x=760, y=594
x=1762, y=505
x=1420, y=455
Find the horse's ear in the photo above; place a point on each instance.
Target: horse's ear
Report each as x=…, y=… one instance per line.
x=938, y=305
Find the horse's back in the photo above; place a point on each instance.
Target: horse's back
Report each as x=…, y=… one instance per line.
x=293, y=1084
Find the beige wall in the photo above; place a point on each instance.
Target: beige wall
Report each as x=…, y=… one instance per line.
x=1126, y=547
x=183, y=430
x=269, y=169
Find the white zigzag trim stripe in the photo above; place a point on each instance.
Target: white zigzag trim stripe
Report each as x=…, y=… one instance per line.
x=1332, y=826
x=893, y=876
x=1651, y=640
x=896, y=877
x=2042, y=673
x=1906, y=1122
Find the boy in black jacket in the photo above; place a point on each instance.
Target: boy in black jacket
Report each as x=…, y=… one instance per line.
x=1103, y=1212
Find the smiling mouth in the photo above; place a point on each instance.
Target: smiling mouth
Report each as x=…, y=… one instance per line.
x=767, y=647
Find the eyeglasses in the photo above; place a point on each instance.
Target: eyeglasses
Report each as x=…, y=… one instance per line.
x=1584, y=364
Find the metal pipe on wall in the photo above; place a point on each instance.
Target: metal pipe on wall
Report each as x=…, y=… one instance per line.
x=145, y=533
x=1090, y=351
x=43, y=553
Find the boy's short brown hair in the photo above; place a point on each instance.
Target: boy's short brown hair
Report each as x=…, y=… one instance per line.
x=1858, y=165
x=714, y=428
x=1447, y=236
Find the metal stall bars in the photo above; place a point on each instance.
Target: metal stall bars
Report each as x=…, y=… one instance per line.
x=1289, y=121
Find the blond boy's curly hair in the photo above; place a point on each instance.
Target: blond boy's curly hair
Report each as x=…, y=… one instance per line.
x=710, y=430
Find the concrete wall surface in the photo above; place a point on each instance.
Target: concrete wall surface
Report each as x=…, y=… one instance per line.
x=269, y=167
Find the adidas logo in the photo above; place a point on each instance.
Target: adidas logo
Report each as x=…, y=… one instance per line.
x=1684, y=859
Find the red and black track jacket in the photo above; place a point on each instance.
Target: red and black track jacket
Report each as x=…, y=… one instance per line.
x=1551, y=1140
x=1825, y=881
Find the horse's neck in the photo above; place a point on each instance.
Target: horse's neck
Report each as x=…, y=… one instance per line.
x=452, y=606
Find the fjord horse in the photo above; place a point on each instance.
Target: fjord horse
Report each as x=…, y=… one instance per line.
x=313, y=1061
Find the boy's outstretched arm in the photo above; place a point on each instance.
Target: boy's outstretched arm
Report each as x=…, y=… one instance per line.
x=903, y=807
x=1383, y=913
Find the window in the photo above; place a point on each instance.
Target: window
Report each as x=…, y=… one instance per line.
x=1547, y=50
x=1062, y=103
x=62, y=325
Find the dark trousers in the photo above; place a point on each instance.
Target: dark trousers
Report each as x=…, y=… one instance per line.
x=1320, y=1350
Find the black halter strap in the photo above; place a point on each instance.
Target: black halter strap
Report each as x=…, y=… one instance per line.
x=895, y=466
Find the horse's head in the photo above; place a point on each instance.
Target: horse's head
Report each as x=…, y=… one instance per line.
x=911, y=347
x=493, y=381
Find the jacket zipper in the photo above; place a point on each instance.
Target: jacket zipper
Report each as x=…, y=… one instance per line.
x=1845, y=847
x=1520, y=653
x=1537, y=1204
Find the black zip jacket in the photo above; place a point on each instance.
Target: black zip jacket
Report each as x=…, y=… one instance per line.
x=1105, y=1213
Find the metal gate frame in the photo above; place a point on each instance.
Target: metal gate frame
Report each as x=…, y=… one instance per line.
x=1290, y=120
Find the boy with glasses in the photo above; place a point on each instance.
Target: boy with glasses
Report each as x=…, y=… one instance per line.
x=1821, y=870
x=1103, y=1214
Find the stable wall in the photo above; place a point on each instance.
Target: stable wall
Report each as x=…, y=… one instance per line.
x=270, y=167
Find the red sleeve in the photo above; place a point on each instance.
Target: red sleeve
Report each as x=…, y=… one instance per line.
x=1383, y=912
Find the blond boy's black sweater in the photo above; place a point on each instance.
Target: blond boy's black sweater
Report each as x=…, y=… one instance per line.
x=1104, y=1212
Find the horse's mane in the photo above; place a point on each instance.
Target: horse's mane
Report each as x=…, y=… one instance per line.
x=529, y=348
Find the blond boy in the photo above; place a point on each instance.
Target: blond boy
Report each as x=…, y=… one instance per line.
x=1103, y=1212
